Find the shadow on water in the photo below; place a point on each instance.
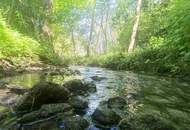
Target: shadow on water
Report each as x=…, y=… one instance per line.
x=165, y=97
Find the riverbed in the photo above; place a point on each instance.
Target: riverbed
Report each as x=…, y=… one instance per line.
x=165, y=97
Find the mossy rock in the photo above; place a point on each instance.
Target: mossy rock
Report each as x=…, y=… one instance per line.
x=42, y=93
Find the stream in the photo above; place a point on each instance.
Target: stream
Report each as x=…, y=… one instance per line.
x=166, y=97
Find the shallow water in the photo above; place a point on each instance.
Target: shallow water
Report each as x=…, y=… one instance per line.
x=165, y=97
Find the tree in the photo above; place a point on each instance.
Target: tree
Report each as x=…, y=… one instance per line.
x=91, y=29
x=135, y=27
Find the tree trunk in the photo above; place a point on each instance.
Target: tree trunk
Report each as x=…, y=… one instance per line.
x=73, y=41
x=105, y=30
x=91, y=29
x=135, y=27
x=98, y=36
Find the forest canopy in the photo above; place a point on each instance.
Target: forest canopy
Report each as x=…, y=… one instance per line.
x=58, y=32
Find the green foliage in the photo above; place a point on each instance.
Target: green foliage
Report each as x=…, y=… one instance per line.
x=24, y=15
x=163, y=40
x=179, y=25
x=48, y=56
x=157, y=60
x=14, y=44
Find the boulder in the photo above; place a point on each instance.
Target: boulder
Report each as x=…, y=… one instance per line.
x=77, y=87
x=78, y=102
x=74, y=123
x=105, y=116
x=116, y=102
x=42, y=93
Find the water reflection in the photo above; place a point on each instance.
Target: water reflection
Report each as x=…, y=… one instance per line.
x=28, y=80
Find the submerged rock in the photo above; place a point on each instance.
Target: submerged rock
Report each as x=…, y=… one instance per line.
x=144, y=122
x=77, y=87
x=116, y=102
x=42, y=93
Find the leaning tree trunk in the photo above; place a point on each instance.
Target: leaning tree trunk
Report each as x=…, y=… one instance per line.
x=135, y=27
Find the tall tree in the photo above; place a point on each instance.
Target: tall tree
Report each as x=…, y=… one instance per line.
x=135, y=27
x=91, y=28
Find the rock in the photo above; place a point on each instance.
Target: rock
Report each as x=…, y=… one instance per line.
x=45, y=111
x=52, y=109
x=78, y=102
x=105, y=116
x=90, y=86
x=97, y=78
x=117, y=103
x=144, y=122
x=42, y=93
x=77, y=87
x=74, y=123
x=29, y=117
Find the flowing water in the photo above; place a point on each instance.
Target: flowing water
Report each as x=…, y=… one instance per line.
x=166, y=97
